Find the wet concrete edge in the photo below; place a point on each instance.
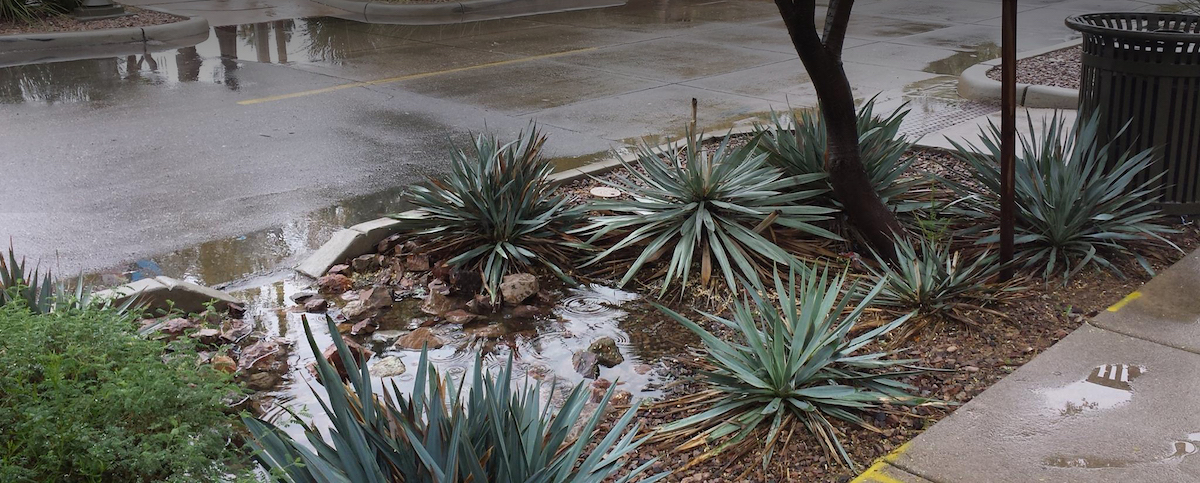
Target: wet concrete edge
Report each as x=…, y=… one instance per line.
x=974, y=84
x=459, y=12
x=360, y=239
x=167, y=293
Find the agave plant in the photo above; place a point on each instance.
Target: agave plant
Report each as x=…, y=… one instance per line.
x=795, y=364
x=797, y=145
x=1076, y=202
x=935, y=280
x=446, y=433
x=496, y=210
x=43, y=293
x=709, y=206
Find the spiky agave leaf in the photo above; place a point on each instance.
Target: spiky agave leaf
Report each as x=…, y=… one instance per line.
x=496, y=211
x=709, y=206
x=792, y=364
x=933, y=279
x=43, y=293
x=445, y=432
x=1076, y=204
x=796, y=143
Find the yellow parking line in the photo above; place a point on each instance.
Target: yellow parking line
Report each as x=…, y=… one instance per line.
x=1125, y=301
x=390, y=80
x=875, y=474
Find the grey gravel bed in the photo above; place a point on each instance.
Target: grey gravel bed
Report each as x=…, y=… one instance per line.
x=1060, y=68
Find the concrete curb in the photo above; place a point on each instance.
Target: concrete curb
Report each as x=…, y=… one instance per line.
x=64, y=46
x=459, y=12
x=166, y=293
x=362, y=238
x=974, y=84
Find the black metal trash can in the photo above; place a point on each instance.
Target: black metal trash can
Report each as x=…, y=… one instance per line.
x=1144, y=68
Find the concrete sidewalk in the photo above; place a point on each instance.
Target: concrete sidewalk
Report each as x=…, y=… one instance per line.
x=1116, y=400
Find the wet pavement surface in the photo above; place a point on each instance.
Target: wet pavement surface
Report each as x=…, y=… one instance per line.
x=238, y=155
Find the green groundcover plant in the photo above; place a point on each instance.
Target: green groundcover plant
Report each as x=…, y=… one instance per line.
x=448, y=432
x=83, y=399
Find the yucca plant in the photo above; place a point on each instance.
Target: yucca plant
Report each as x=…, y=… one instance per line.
x=445, y=432
x=1076, y=203
x=796, y=143
x=496, y=210
x=27, y=11
x=41, y=292
x=937, y=281
x=795, y=364
x=705, y=207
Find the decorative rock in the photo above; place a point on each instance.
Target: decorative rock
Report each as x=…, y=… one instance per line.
x=262, y=381
x=349, y=296
x=337, y=269
x=952, y=349
x=364, y=263
x=261, y=356
x=388, y=367
x=585, y=364
x=316, y=305
x=417, y=339
x=367, y=326
x=236, y=330
x=459, y=317
x=481, y=304
x=607, y=352
x=621, y=398
x=376, y=298
x=417, y=263
x=386, y=336
x=642, y=369
x=301, y=296
x=526, y=312
x=335, y=283
x=438, y=301
x=224, y=364
x=490, y=331
x=517, y=287
x=599, y=389
x=354, y=309
x=387, y=243
x=206, y=336
x=357, y=351
x=176, y=326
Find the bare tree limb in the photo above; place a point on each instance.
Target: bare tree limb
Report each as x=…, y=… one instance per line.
x=837, y=20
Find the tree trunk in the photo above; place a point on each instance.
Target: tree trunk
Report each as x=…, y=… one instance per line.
x=822, y=59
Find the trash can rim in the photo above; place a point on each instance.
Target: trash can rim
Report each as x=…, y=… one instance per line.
x=1080, y=23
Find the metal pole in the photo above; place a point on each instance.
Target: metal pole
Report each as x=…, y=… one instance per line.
x=1008, y=134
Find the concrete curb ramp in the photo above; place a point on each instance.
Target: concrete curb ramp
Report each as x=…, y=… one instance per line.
x=974, y=84
x=64, y=46
x=459, y=12
x=1114, y=401
x=362, y=238
x=165, y=292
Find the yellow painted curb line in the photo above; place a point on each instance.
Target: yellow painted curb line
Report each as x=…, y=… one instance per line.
x=390, y=80
x=875, y=474
x=1125, y=301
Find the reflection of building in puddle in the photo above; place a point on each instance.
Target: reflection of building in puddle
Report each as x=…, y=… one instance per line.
x=1107, y=386
x=1178, y=450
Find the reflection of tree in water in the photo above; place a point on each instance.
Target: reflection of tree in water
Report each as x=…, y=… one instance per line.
x=227, y=44
x=74, y=81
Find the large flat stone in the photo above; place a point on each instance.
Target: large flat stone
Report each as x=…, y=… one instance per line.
x=343, y=244
x=1165, y=310
x=1061, y=419
x=163, y=293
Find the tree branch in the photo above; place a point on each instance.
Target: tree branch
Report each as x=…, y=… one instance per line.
x=837, y=20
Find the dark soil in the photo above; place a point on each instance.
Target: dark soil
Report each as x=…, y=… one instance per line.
x=65, y=23
x=1061, y=68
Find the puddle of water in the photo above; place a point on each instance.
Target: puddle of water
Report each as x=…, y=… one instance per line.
x=541, y=349
x=957, y=63
x=1176, y=452
x=1107, y=386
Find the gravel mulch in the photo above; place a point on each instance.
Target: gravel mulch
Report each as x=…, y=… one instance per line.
x=66, y=23
x=1060, y=68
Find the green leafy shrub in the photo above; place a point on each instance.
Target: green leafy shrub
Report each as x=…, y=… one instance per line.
x=1076, y=204
x=797, y=143
x=83, y=399
x=934, y=280
x=447, y=433
x=795, y=364
x=496, y=210
x=705, y=207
